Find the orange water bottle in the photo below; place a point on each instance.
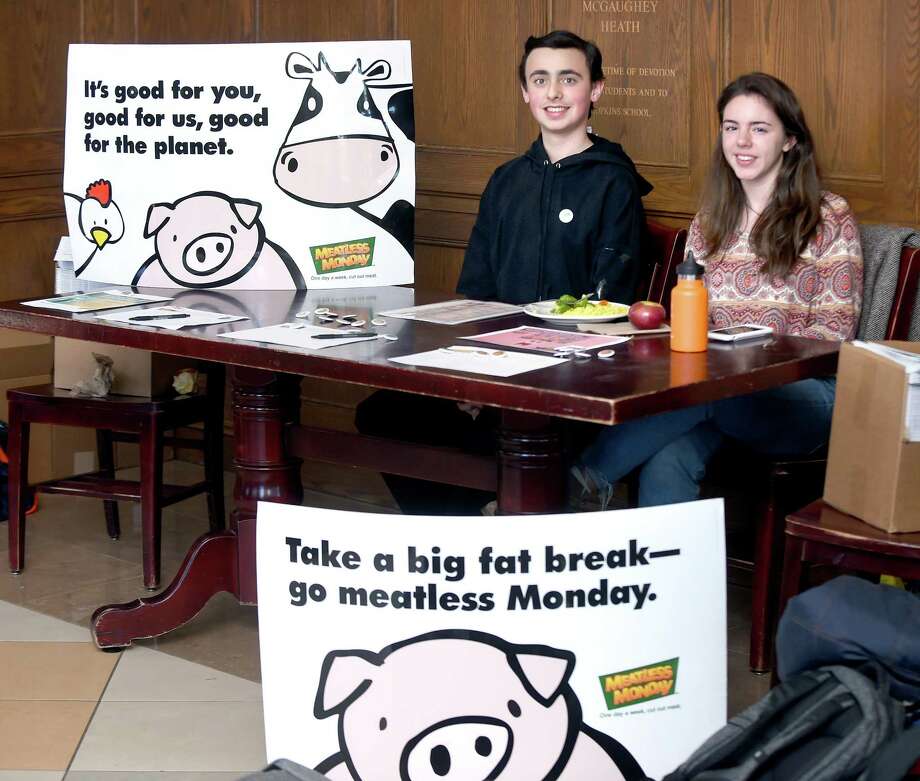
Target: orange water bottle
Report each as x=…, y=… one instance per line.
x=689, y=308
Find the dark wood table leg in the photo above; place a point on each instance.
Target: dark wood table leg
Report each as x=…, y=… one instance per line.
x=264, y=403
x=531, y=474
x=210, y=567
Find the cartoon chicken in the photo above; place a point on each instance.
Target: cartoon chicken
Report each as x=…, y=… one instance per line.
x=100, y=218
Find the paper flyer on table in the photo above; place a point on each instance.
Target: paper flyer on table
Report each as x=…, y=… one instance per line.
x=296, y=335
x=455, y=312
x=497, y=363
x=170, y=317
x=621, y=329
x=545, y=340
x=93, y=302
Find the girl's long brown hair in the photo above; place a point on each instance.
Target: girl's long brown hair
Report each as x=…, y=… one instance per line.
x=791, y=218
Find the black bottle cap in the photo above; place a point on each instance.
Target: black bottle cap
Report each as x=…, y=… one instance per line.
x=690, y=268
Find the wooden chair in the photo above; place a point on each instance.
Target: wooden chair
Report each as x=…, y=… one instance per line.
x=120, y=418
x=821, y=534
x=792, y=483
x=905, y=295
x=663, y=250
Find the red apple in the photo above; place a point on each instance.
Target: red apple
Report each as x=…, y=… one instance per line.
x=646, y=315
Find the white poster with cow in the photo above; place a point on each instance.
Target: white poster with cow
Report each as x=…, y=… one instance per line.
x=576, y=647
x=251, y=166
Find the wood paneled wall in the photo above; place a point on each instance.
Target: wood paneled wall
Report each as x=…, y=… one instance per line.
x=854, y=63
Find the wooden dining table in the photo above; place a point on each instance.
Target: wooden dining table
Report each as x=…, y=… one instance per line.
x=527, y=471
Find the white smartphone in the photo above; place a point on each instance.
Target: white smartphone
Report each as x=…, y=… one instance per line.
x=736, y=333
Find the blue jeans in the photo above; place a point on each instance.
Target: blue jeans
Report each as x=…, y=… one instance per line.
x=674, y=448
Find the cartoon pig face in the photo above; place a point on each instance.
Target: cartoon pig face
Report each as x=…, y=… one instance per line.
x=444, y=707
x=205, y=238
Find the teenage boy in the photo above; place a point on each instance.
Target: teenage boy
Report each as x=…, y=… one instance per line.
x=567, y=216
x=561, y=219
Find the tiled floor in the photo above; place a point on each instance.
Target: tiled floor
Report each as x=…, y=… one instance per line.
x=186, y=707
x=67, y=708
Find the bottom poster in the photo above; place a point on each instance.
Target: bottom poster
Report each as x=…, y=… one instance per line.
x=581, y=646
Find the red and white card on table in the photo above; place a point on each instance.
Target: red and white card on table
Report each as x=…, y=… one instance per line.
x=545, y=340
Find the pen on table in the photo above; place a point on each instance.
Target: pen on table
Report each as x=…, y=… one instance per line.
x=138, y=318
x=345, y=335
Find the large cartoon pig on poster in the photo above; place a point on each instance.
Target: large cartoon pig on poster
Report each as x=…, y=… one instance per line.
x=210, y=240
x=339, y=151
x=463, y=706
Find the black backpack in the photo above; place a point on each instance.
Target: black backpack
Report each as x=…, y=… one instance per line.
x=896, y=759
x=286, y=770
x=820, y=725
x=851, y=621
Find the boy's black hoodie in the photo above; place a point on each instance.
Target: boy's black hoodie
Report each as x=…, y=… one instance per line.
x=545, y=229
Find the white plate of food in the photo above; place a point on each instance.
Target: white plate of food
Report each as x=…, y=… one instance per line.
x=577, y=310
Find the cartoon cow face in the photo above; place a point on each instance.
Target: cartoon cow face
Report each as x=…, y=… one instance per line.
x=338, y=151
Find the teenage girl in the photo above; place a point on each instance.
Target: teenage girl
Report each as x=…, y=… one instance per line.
x=778, y=251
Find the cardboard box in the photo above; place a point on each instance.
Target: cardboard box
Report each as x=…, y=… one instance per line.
x=137, y=372
x=24, y=354
x=25, y=359
x=872, y=471
x=73, y=451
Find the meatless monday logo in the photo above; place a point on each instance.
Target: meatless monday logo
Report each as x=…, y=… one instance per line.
x=641, y=684
x=355, y=253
